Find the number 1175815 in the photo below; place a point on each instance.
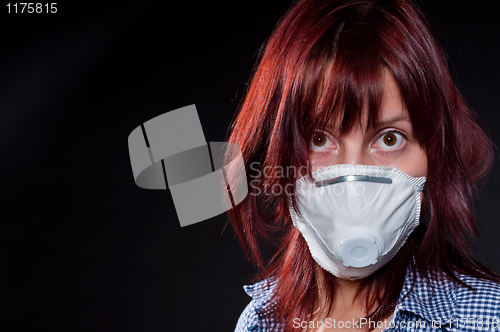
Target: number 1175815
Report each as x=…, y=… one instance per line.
x=32, y=8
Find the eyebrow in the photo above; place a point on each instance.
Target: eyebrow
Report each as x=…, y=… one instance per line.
x=392, y=120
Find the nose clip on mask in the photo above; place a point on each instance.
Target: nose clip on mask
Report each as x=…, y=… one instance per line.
x=355, y=218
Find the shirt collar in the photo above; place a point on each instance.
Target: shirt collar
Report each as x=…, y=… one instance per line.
x=261, y=291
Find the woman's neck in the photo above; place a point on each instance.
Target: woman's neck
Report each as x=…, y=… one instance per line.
x=346, y=301
x=347, y=306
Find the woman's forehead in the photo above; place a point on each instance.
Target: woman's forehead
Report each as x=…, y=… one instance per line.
x=392, y=106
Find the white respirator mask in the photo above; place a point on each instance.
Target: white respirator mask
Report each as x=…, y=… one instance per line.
x=355, y=218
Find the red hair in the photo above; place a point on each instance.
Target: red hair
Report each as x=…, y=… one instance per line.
x=326, y=60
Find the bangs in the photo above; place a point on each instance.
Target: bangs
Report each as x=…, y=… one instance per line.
x=348, y=95
x=345, y=75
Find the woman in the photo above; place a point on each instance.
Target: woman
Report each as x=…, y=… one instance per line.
x=363, y=161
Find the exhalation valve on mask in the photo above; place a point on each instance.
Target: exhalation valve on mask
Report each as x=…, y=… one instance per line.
x=355, y=218
x=359, y=247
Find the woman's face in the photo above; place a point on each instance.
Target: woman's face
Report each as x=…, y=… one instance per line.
x=390, y=144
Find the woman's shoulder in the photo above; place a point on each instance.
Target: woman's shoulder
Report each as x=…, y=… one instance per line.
x=476, y=300
x=476, y=307
x=482, y=295
x=254, y=317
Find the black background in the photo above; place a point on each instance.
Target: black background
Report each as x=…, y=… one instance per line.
x=82, y=247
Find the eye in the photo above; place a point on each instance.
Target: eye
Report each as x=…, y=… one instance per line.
x=320, y=141
x=391, y=140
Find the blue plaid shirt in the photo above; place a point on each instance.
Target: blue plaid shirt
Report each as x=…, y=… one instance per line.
x=444, y=306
